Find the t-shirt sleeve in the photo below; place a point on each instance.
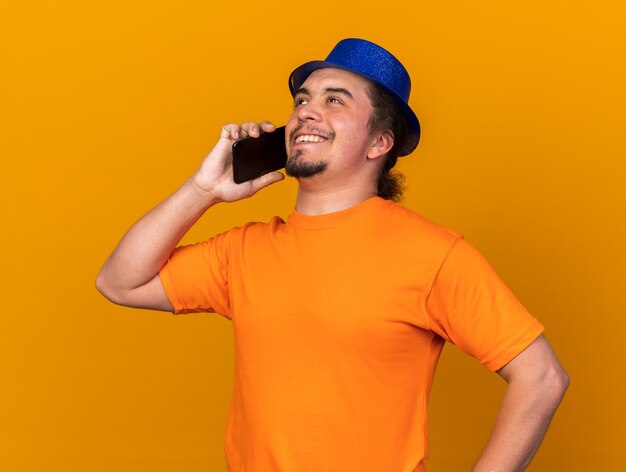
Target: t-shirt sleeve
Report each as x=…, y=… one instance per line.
x=195, y=277
x=470, y=306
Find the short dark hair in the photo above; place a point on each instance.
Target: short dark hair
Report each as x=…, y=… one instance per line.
x=388, y=115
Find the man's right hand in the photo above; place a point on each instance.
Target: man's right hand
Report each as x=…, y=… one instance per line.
x=130, y=276
x=214, y=178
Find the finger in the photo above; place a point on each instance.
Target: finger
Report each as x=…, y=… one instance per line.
x=230, y=131
x=267, y=126
x=251, y=128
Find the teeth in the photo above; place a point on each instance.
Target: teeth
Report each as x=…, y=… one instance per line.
x=309, y=138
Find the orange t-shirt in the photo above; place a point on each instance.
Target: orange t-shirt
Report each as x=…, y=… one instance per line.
x=339, y=321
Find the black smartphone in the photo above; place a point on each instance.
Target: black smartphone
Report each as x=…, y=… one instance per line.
x=253, y=157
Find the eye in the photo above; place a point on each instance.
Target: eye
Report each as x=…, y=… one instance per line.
x=299, y=101
x=333, y=99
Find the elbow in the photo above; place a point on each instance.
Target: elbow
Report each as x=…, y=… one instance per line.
x=104, y=286
x=556, y=382
x=100, y=283
x=563, y=381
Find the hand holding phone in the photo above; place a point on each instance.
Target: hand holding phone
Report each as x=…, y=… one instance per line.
x=253, y=157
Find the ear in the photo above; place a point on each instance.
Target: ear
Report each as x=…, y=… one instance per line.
x=381, y=144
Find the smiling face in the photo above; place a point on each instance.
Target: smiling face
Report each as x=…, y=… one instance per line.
x=328, y=130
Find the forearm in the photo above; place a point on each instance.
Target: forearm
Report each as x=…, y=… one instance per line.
x=144, y=249
x=129, y=275
x=522, y=422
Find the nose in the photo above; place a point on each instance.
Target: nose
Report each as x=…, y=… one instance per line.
x=308, y=112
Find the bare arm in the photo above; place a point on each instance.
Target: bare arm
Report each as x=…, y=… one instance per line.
x=537, y=383
x=130, y=275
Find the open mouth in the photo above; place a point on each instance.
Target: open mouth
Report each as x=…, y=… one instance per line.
x=309, y=138
x=310, y=135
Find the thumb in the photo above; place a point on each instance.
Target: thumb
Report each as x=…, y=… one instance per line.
x=265, y=180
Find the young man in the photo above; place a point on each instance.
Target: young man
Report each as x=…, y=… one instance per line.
x=334, y=372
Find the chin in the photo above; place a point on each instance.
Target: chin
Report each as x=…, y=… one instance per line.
x=298, y=167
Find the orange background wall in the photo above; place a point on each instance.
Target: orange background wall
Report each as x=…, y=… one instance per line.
x=106, y=107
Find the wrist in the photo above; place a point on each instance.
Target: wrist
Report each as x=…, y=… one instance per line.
x=207, y=196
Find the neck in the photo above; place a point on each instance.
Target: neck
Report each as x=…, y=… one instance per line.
x=322, y=201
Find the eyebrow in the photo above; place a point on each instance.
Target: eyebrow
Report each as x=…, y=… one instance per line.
x=342, y=91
